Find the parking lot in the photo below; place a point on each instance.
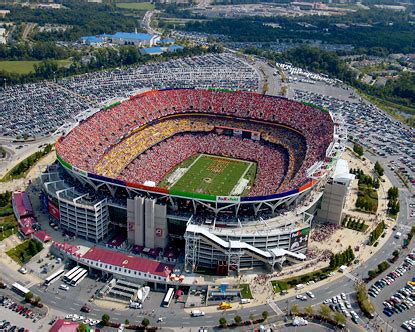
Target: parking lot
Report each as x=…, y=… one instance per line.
x=20, y=314
x=385, y=293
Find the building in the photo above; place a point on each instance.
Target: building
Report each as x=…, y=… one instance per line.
x=157, y=50
x=118, y=264
x=92, y=40
x=335, y=194
x=131, y=38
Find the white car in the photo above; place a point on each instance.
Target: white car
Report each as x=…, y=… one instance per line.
x=343, y=296
x=22, y=270
x=197, y=313
x=310, y=294
x=69, y=316
x=64, y=287
x=327, y=301
x=347, y=304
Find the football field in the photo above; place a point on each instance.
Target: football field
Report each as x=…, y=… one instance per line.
x=214, y=175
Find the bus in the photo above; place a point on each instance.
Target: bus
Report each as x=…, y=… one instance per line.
x=70, y=274
x=168, y=297
x=19, y=289
x=78, y=278
x=54, y=277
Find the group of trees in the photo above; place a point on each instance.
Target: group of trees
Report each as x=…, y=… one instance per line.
x=363, y=300
x=41, y=50
x=106, y=321
x=379, y=169
x=342, y=258
x=358, y=149
x=380, y=268
x=239, y=321
x=367, y=199
x=323, y=313
x=366, y=180
x=393, y=204
x=83, y=18
x=357, y=225
x=375, y=37
x=35, y=300
x=376, y=233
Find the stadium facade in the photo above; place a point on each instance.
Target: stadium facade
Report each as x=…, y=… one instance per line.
x=93, y=200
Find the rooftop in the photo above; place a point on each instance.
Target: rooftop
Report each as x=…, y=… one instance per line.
x=129, y=262
x=131, y=35
x=22, y=202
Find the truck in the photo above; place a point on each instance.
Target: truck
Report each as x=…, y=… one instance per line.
x=225, y=305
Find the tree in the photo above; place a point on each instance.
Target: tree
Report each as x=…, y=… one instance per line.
x=309, y=310
x=105, y=318
x=325, y=311
x=237, y=319
x=339, y=318
x=81, y=328
x=37, y=300
x=145, y=322
x=295, y=310
x=379, y=169
x=28, y=296
x=358, y=149
x=265, y=315
x=127, y=322
x=223, y=322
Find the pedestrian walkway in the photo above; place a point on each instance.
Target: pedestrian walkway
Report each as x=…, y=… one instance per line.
x=274, y=307
x=351, y=277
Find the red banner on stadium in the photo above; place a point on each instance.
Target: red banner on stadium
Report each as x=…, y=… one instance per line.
x=54, y=210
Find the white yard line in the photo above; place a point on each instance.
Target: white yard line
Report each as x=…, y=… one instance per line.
x=242, y=176
x=187, y=169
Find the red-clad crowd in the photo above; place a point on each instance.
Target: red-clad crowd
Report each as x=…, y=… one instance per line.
x=87, y=143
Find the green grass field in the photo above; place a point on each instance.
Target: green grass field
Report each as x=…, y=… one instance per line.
x=25, y=67
x=136, y=5
x=213, y=175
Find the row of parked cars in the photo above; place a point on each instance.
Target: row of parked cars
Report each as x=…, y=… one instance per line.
x=402, y=300
x=20, y=309
x=392, y=276
x=409, y=324
x=341, y=304
x=5, y=325
x=82, y=319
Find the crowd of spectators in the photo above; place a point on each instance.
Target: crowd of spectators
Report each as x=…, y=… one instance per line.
x=158, y=161
x=115, y=137
x=323, y=232
x=39, y=109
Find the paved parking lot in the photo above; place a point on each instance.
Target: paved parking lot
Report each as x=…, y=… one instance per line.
x=20, y=321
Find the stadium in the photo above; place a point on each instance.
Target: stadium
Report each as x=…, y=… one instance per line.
x=223, y=180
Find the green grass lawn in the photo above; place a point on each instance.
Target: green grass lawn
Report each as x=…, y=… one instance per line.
x=136, y=6
x=25, y=67
x=25, y=251
x=245, y=291
x=212, y=175
x=8, y=226
x=370, y=195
